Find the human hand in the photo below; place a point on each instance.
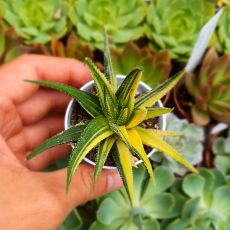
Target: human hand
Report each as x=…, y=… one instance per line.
x=30, y=199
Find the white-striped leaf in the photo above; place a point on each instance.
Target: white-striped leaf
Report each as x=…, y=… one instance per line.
x=88, y=101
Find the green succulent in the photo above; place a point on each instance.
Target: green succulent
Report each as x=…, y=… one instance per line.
x=157, y=66
x=189, y=144
x=115, y=125
x=150, y=204
x=221, y=149
x=173, y=25
x=207, y=206
x=223, y=32
x=210, y=89
x=10, y=45
x=122, y=18
x=35, y=21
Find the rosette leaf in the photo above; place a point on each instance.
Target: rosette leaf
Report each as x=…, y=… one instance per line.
x=173, y=25
x=35, y=21
x=122, y=19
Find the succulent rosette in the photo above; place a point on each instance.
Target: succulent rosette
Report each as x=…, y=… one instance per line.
x=208, y=204
x=210, y=88
x=223, y=32
x=174, y=25
x=35, y=21
x=122, y=18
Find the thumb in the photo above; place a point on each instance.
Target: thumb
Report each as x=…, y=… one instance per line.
x=82, y=187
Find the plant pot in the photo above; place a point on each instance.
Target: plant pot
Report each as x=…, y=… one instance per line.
x=143, y=88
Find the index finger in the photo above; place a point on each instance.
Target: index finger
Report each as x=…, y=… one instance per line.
x=39, y=67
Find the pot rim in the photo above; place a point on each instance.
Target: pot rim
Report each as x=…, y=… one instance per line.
x=89, y=85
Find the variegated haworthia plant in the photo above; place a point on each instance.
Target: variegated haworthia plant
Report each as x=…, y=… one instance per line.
x=114, y=128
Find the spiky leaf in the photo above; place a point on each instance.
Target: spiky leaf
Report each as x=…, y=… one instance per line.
x=88, y=101
x=153, y=112
x=96, y=131
x=70, y=135
x=138, y=116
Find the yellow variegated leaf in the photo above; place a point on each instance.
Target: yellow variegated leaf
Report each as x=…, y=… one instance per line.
x=138, y=116
x=150, y=138
x=153, y=112
x=154, y=95
x=120, y=131
x=121, y=120
x=126, y=167
x=136, y=142
x=96, y=131
x=102, y=153
x=162, y=133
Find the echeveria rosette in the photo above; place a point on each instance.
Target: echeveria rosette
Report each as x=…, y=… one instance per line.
x=208, y=204
x=173, y=25
x=189, y=143
x=35, y=21
x=221, y=149
x=151, y=204
x=157, y=66
x=210, y=88
x=223, y=32
x=123, y=20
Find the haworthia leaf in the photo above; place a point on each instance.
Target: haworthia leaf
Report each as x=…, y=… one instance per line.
x=153, y=112
x=109, y=73
x=102, y=153
x=136, y=142
x=123, y=161
x=126, y=92
x=96, y=131
x=138, y=116
x=154, y=95
x=122, y=118
x=149, y=138
x=88, y=101
x=67, y=136
x=104, y=90
x=162, y=133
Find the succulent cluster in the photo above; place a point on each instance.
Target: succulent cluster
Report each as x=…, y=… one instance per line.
x=151, y=204
x=207, y=203
x=115, y=126
x=189, y=144
x=221, y=149
x=35, y=21
x=122, y=18
x=210, y=89
x=157, y=66
x=173, y=25
x=223, y=32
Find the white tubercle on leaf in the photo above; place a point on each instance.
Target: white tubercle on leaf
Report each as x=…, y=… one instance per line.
x=202, y=41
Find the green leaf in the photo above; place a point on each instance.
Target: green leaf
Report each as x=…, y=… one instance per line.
x=138, y=116
x=154, y=95
x=122, y=158
x=102, y=153
x=70, y=135
x=96, y=131
x=109, y=73
x=105, y=93
x=126, y=92
x=149, y=138
x=88, y=101
x=153, y=112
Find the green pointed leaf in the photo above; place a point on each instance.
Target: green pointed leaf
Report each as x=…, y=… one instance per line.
x=149, y=138
x=95, y=132
x=102, y=153
x=109, y=73
x=154, y=95
x=123, y=162
x=126, y=92
x=70, y=135
x=105, y=93
x=138, y=116
x=88, y=101
x=153, y=112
